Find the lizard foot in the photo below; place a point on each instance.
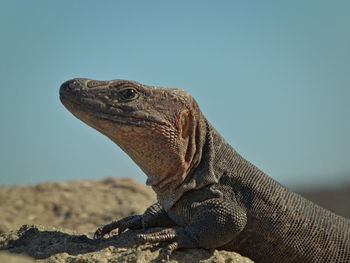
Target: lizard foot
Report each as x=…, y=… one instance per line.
x=165, y=235
x=132, y=222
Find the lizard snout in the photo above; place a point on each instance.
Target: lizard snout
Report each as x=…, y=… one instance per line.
x=68, y=86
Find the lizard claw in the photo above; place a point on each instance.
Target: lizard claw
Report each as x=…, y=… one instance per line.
x=134, y=221
x=99, y=233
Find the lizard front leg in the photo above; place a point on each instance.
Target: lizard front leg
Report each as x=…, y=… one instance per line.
x=152, y=217
x=213, y=224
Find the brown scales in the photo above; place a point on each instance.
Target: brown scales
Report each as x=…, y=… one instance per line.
x=208, y=195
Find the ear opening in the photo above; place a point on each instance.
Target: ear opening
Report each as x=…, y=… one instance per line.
x=187, y=133
x=185, y=124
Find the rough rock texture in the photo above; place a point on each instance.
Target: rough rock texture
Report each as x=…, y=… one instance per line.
x=6, y=257
x=79, y=205
x=65, y=215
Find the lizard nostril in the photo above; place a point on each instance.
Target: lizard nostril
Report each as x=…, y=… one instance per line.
x=69, y=85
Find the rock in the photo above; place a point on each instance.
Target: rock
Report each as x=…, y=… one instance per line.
x=58, y=221
x=49, y=244
x=82, y=205
x=6, y=257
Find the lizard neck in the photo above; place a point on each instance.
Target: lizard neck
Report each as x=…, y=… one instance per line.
x=200, y=173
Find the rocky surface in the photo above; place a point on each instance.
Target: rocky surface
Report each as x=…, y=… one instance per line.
x=54, y=222
x=80, y=205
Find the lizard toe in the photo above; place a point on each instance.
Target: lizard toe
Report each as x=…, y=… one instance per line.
x=165, y=235
x=165, y=253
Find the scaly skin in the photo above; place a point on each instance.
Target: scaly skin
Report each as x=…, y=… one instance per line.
x=214, y=197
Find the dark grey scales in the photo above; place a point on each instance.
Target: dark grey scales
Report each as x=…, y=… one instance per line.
x=216, y=197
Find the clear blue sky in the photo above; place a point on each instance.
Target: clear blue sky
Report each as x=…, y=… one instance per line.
x=273, y=77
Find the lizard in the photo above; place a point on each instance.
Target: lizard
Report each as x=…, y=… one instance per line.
x=208, y=195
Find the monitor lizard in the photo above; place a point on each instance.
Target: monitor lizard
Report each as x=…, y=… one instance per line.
x=208, y=195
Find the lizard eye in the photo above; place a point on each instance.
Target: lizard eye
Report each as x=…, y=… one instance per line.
x=128, y=94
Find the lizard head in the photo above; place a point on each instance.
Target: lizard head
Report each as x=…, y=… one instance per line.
x=157, y=127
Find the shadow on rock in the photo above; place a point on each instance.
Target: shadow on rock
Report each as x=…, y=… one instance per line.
x=41, y=244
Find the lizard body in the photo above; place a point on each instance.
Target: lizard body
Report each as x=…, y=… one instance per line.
x=214, y=196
